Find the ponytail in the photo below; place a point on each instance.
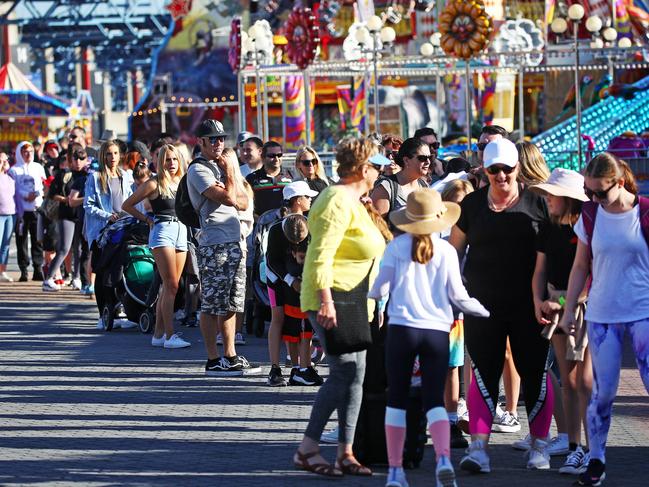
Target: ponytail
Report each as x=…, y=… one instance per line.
x=606, y=165
x=422, y=248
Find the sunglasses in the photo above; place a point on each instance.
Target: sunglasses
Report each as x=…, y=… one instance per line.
x=392, y=154
x=496, y=168
x=307, y=162
x=277, y=155
x=482, y=145
x=80, y=157
x=376, y=166
x=214, y=140
x=600, y=195
x=434, y=145
x=140, y=163
x=424, y=158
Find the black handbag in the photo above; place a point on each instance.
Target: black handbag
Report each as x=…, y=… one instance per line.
x=352, y=333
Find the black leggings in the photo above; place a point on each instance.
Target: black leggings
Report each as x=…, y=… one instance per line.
x=486, y=340
x=403, y=344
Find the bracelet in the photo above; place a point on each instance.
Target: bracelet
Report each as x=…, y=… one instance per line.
x=326, y=302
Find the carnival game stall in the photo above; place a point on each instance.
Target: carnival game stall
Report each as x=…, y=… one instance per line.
x=24, y=109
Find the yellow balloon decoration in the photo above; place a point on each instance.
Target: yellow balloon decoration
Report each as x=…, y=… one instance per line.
x=465, y=27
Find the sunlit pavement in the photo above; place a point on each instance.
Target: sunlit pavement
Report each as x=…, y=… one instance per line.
x=80, y=406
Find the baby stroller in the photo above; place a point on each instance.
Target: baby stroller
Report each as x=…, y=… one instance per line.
x=126, y=275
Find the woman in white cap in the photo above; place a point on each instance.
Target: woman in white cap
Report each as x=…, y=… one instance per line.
x=421, y=273
x=498, y=224
x=297, y=198
x=555, y=252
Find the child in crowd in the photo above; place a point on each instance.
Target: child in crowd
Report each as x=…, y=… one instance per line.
x=422, y=274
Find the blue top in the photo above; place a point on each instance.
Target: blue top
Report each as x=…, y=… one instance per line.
x=98, y=206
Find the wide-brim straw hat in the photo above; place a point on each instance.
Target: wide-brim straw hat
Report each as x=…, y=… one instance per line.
x=563, y=182
x=425, y=213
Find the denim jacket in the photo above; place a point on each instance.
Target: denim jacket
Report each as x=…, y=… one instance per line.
x=98, y=206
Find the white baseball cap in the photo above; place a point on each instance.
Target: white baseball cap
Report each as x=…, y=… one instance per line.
x=500, y=151
x=298, y=188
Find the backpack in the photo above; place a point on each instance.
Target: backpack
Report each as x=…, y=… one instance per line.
x=260, y=239
x=589, y=213
x=185, y=211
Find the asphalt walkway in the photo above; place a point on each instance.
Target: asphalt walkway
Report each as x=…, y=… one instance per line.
x=79, y=406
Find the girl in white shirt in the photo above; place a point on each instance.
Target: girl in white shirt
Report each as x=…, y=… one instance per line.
x=616, y=247
x=422, y=275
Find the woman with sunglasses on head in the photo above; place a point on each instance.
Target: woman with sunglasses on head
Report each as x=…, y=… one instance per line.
x=498, y=225
x=391, y=192
x=341, y=259
x=613, y=249
x=105, y=191
x=391, y=144
x=66, y=176
x=167, y=239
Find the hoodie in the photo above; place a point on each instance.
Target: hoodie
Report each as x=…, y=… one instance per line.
x=29, y=177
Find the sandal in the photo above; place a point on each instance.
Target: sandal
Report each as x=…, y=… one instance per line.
x=352, y=468
x=325, y=469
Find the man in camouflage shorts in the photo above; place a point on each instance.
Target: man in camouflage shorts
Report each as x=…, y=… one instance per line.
x=217, y=198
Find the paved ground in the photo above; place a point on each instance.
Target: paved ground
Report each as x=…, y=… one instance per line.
x=80, y=406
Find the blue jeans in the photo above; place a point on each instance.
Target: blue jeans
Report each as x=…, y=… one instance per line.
x=6, y=229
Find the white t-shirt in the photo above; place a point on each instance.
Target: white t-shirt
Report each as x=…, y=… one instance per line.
x=620, y=289
x=421, y=294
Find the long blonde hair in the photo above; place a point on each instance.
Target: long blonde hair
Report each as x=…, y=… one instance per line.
x=533, y=169
x=163, y=177
x=231, y=155
x=305, y=149
x=103, y=170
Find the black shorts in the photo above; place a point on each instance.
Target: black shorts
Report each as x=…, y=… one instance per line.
x=296, y=329
x=276, y=292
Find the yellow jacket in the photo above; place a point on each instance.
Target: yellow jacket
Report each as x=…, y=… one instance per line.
x=344, y=242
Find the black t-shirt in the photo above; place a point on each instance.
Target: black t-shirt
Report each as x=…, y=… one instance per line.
x=61, y=186
x=559, y=244
x=79, y=184
x=267, y=190
x=318, y=185
x=501, y=252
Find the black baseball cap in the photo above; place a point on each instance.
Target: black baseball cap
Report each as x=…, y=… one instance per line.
x=211, y=128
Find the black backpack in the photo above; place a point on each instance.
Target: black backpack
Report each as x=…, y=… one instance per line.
x=185, y=211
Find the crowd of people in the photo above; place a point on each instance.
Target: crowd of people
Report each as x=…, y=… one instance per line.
x=485, y=268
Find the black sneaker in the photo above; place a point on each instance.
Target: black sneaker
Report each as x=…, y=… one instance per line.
x=23, y=276
x=308, y=377
x=594, y=474
x=248, y=368
x=223, y=367
x=275, y=378
x=457, y=438
x=38, y=275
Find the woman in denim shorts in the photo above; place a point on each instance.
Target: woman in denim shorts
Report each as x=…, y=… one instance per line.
x=167, y=240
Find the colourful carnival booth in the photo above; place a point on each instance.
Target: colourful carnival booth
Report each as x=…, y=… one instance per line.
x=24, y=109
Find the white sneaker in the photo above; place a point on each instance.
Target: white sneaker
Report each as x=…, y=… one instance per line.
x=537, y=456
x=576, y=463
x=4, y=277
x=158, y=342
x=330, y=436
x=100, y=324
x=445, y=474
x=239, y=340
x=524, y=444
x=50, y=285
x=396, y=478
x=124, y=324
x=76, y=284
x=559, y=445
x=219, y=339
x=505, y=423
x=476, y=460
x=176, y=342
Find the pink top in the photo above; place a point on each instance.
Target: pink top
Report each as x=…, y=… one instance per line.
x=7, y=192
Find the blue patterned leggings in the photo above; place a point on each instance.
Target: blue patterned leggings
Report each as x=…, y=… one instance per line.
x=605, y=342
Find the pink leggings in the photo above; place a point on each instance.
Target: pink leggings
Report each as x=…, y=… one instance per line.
x=486, y=340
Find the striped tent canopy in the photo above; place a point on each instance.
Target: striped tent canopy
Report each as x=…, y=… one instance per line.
x=19, y=97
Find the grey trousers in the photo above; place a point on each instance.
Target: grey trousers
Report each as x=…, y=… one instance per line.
x=342, y=391
x=66, y=236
